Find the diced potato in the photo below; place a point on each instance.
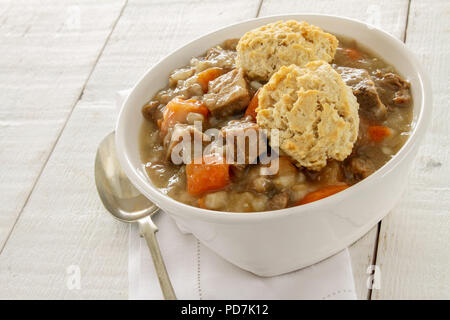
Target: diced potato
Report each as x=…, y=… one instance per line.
x=247, y=201
x=261, y=184
x=279, y=201
x=255, y=84
x=301, y=177
x=299, y=191
x=259, y=203
x=216, y=200
x=192, y=117
x=285, y=181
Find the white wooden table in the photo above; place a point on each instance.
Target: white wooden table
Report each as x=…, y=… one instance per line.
x=61, y=63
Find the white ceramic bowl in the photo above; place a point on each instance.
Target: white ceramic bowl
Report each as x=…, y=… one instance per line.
x=275, y=242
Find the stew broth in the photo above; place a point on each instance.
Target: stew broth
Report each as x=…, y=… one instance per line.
x=385, y=122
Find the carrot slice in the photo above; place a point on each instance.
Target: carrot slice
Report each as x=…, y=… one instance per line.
x=251, y=109
x=212, y=174
x=378, y=133
x=322, y=193
x=352, y=53
x=208, y=75
x=177, y=110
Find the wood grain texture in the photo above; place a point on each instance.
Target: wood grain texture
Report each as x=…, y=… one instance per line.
x=47, y=51
x=414, y=247
x=64, y=223
x=387, y=15
x=362, y=256
x=44, y=67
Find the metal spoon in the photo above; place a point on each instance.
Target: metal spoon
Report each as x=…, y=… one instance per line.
x=127, y=204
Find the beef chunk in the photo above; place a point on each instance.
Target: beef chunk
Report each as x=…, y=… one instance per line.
x=227, y=94
x=221, y=58
x=216, y=57
x=238, y=170
x=400, y=94
x=186, y=89
x=363, y=135
x=244, y=135
x=230, y=44
x=153, y=111
x=181, y=74
x=365, y=91
x=331, y=173
x=176, y=135
x=184, y=82
x=360, y=168
x=239, y=126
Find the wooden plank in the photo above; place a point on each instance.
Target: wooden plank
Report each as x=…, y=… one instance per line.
x=386, y=14
x=389, y=15
x=414, y=248
x=362, y=255
x=64, y=226
x=48, y=50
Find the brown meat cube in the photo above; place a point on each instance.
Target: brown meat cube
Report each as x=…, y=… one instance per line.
x=153, y=111
x=244, y=134
x=238, y=126
x=238, y=171
x=331, y=173
x=364, y=90
x=216, y=57
x=360, y=168
x=227, y=94
x=176, y=134
x=400, y=86
x=230, y=44
x=221, y=58
x=180, y=75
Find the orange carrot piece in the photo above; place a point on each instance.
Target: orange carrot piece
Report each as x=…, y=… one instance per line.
x=378, y=133
x=212, y=174
x=321, y=193
x=352, y=53
x=208, y=75
x=177, y=110
x=251, y=109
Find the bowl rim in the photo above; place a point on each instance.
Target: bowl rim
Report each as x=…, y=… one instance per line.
x=185, y=210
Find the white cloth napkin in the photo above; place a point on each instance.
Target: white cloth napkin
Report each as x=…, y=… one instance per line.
x=198, y=273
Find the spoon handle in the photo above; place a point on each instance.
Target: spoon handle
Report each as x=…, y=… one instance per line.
x=148, y=230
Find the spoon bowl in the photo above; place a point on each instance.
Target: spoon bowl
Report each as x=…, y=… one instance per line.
x=118, y=195
x=125, y=203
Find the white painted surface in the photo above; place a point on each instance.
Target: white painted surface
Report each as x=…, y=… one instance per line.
x=63, y=223
x=414, y=242
x=47, y=51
